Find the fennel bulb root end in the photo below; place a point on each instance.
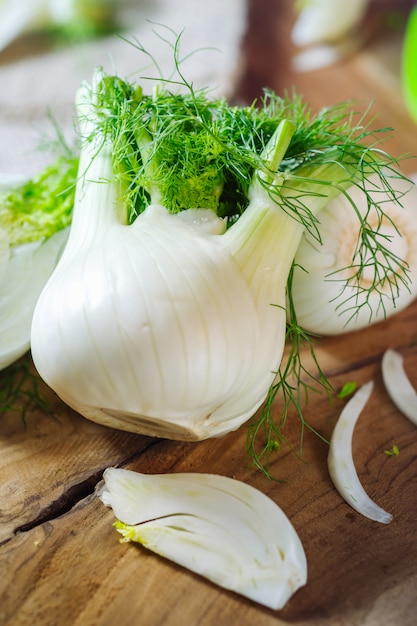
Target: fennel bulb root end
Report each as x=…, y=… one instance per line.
x=186, y=429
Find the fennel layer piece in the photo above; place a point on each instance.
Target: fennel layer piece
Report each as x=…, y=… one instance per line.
x=215, y=526
x=398, y=385
x=340, y=460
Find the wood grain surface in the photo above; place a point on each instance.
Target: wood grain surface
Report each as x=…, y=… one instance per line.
x=61, y=562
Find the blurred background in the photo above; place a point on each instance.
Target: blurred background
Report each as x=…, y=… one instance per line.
x=338, y=51
x=369, y=70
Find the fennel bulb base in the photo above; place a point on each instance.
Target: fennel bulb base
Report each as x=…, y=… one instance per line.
x=196, y=428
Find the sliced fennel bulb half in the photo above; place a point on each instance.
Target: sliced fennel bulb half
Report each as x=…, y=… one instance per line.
x=25, y=272
x=34, y=218
x=218, y=527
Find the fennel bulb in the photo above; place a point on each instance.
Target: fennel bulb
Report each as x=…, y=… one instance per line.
x=162, y=325
x=321, y=21
x=153, y=327
x=326, y=31
x=330, y=292
x=218, y=527
x=33, y=233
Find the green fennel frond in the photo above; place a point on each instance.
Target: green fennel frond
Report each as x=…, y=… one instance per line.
x=294, y=382
x=347, y=390
x=21, y=389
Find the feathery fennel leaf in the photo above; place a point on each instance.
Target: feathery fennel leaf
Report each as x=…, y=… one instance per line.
x=21, y=390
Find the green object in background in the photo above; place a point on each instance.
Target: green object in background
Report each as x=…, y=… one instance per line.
x=409, y=64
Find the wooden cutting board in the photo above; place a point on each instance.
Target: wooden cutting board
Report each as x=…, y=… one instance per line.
x=61, y=562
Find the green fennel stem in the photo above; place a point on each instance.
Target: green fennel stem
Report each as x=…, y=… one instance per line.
x=145, y=145
x=265, y=236
x=97, y=192
x=273, y=154
x=271, y=216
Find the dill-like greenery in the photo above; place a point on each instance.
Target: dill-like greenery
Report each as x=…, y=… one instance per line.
x=42, y=205
x=294, y=382
x=20, y=390
x=185, y=150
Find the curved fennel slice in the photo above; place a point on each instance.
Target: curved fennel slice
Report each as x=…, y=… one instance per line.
x=398, y=385
x=218, y=527
x=340, y=460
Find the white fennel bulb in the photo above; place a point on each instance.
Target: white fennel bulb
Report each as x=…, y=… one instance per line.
x=340, y=459
x=164, y=324
x=321, y=21
x=332, y=294
x=218, y=527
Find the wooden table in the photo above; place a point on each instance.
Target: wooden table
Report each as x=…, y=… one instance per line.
x=60, y=559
